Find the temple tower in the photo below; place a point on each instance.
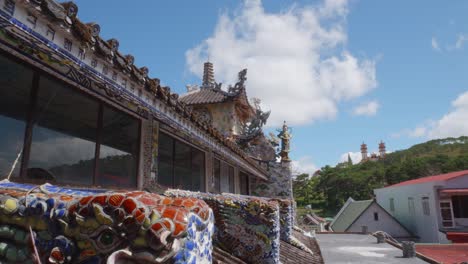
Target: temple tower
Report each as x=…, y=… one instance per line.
x=364, y=151
x=208, y=75
x=382, y=149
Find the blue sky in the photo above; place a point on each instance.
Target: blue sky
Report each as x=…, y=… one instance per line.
x=403, y=63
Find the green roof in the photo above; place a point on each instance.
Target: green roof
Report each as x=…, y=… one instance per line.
x=349, y=214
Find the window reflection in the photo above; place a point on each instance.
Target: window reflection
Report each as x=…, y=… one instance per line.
x=180, y=165
x=64, y=135
x=244, y=183
x=165, y=165
x=231, y=178
x=118, y=154
x=65, y=128
x=15, y=83
x=217, y=175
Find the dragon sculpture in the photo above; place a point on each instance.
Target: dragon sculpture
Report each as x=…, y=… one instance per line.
x=52, y=224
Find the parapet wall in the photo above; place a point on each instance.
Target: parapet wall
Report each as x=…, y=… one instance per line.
x=279, y=184
x=247, y=227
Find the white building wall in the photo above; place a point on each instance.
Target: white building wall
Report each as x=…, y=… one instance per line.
x=424, y=226
x=384, y=223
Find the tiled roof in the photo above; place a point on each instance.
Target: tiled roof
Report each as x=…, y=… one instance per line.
x=441, y=177
x=204, y=96
x=349, y=214
x=290, y=254
x=222, y=257
x=455, y=253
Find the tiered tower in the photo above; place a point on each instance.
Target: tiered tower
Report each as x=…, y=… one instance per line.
x=382, y=149
x=364, y=151
x=208, y=75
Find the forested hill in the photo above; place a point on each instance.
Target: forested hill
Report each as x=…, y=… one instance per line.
x=332, y=186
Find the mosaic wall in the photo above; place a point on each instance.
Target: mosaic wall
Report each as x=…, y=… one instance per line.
x=248, y=227
x=286, y=210
x=279, y=184
x=51, y=224
x=147, y=149
x=224, y=117
x=154, y=154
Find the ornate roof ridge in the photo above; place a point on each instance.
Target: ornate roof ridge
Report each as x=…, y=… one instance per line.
x=65, y=14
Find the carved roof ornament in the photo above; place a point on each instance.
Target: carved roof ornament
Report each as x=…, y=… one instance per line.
x=114, y=45
x=253, y=127
x=239, y=86
x=285, y=136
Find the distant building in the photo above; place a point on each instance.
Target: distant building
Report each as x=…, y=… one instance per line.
x=373, y=156
x=314, y=222
x=367, y=216
x=434, y=208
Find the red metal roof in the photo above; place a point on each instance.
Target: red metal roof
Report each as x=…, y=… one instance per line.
x=455, y=191
x=455, y=253
x=441, y=177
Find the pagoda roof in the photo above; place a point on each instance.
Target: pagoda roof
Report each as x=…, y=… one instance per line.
x=205, y=96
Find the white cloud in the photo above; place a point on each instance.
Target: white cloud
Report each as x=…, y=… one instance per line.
x=461, y=39
x=367, y=109
x=418, y=132
x=67, y=150
x=356, y=157
x=435, y=44
x=296, y=59
x=304, y=165
x=452, y=124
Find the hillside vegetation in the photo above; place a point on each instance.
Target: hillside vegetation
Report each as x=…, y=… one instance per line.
x=331, y=187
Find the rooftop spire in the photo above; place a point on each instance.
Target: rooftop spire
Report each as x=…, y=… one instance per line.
x=208, y=75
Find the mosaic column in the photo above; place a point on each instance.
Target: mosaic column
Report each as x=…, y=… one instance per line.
x=145, y=156
x=154, y=154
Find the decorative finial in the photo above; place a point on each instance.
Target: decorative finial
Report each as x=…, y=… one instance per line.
x=285, y=137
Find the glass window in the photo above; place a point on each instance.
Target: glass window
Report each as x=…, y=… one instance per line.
x=460, y=206
x=217, y=175
x=425, y=205
x=376, y=216
x=15, y=88
x=411, y=206
x=180, y=165
x=392, y=205
x=166, y=165
x=198, y=170
x=64, y=135
x=65, y=125
x=244, y=183
x=118, y=155
x=231, y=178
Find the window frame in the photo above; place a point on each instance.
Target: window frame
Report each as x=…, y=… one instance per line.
x=29, y=123
x=247, y=178
x=192, y=146
x=392, y=204
x=425, y=206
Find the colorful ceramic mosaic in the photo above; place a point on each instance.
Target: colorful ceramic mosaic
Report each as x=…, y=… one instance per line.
x=66, y=225
x=247, y=227
x=279, y=183
x=286, y=211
